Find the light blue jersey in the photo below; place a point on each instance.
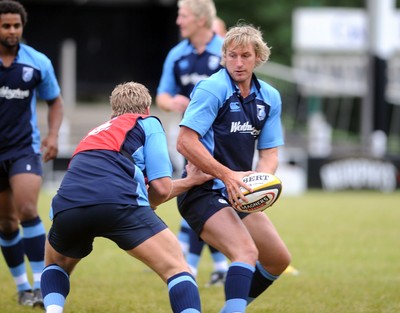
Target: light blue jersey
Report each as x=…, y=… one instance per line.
x=184, y=67
x=116, y=175
x=30, y=75
x=229, y=125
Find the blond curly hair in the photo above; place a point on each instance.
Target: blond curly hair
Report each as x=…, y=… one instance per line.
x=130, y=97
x=242, y=35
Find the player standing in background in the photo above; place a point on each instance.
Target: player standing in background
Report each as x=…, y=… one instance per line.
x=232, y=110
x=24, y=74
x=104, y=194
x=195, y=58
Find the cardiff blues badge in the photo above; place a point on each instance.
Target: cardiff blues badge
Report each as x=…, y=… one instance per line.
x=27, y=74
x=261, y=112
x=213, y=62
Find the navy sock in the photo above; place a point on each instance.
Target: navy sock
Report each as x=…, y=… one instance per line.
x=13, y=251
x=54, y=285
x=195, y=249
x=196, y=244
x=184, y=293
x=237, y=286
x=34, y=235
x=12, y=248
x=260, y=282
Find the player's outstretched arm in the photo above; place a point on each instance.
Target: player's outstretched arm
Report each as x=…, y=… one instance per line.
x=164, y=189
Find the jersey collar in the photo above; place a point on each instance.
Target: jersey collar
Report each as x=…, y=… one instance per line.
x=254, y=83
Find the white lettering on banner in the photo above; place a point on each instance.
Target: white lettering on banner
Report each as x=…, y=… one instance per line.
x=359, y=173
x=339, y=29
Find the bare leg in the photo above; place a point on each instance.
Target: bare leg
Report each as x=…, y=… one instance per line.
x=163, y=254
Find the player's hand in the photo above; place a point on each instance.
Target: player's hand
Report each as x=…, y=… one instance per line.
x=195, y=175
x=49, y=148
x=179, y=103
x=233, y=181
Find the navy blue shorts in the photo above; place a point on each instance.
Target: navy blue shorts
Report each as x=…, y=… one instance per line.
x=73, y=231
x=23, y=164
x=200, y=203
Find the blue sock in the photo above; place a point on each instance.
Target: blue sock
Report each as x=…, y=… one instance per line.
x=184, y=293
x=54, y=285
x=34, y=235
x=195, y=249
x=193, y=261
x=196, y=244
x=261, y=281
x=13, y=252
x=216, y=255
x=237, y=286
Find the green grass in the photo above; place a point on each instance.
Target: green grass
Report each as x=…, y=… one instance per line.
x=346, y=246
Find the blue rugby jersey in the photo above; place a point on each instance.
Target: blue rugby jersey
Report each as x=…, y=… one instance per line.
x=230, y=126
x=105, y=176
x=184, y=67
x=30, y=75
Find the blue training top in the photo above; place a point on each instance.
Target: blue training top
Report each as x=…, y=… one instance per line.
x=230, y=125
x=30, y=72
x=105, y=176
x=184, y=67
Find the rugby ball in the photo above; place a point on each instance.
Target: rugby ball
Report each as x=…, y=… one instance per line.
x=266, y=190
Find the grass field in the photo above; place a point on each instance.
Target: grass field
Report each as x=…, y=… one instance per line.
x=346, y=246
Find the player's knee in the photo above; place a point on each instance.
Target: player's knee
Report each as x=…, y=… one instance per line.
x=277, y=264
x=27, y=212
x=246, y=253
x=285, y=260
x=8, y=225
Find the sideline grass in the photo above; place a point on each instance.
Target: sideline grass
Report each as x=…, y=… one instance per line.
x=345, y=245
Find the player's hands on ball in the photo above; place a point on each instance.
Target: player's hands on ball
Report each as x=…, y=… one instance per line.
x=233, y=181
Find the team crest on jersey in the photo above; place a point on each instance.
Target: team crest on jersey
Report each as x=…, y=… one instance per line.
x=261, y=112
x=213, y=62
x=184, y=64
x=27, y=74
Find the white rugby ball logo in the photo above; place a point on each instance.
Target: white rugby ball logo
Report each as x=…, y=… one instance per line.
x=266, y=191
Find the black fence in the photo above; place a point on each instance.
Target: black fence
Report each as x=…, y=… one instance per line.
x=116, y=41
